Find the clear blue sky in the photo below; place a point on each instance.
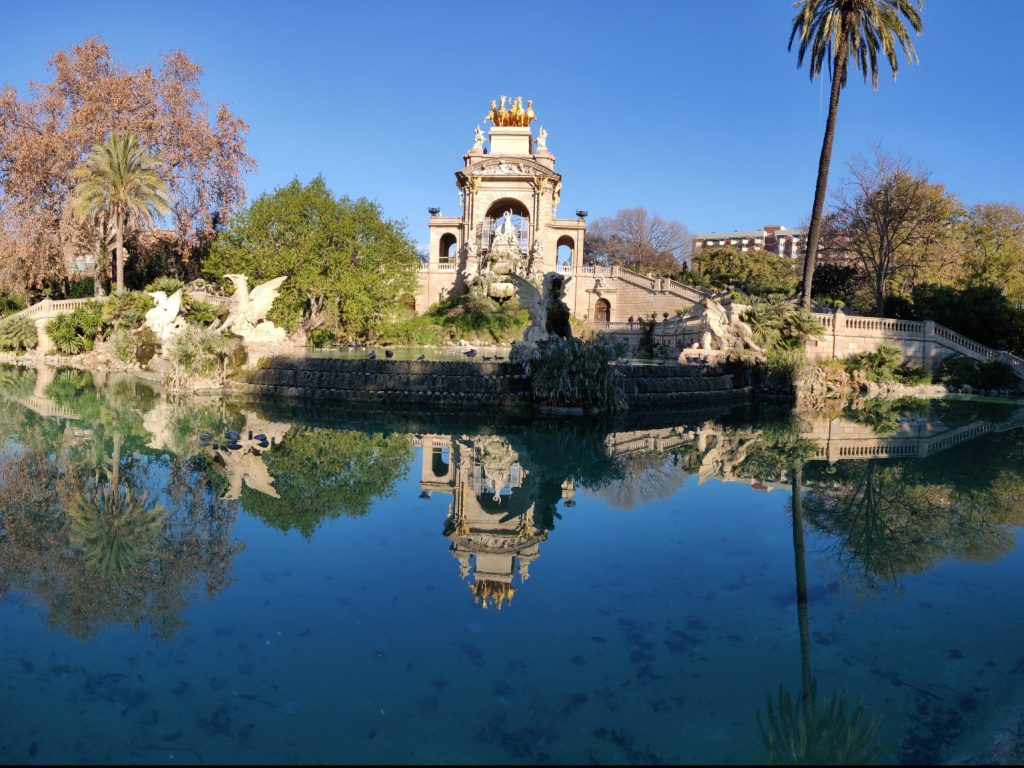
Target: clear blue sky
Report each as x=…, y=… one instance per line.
x=693, y=109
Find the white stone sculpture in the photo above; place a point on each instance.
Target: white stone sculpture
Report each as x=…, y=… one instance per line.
x=542, y=140
x=536, y=256
x=478, y=139
x=721, y=326
x=165, y=318
x=248, y=311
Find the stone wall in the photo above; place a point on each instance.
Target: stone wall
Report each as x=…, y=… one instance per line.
x=432, y=382
x=464, y=384
x=670, y=385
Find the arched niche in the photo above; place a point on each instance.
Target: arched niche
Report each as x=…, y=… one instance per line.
x=448, y=248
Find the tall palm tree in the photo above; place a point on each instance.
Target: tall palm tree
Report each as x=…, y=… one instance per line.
x=119, y=188
x=833, y=33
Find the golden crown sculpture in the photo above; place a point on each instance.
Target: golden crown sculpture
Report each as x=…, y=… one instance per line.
x=512, y=116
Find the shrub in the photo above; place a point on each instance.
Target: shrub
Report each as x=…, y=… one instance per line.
x=322, y=337
x=82, y=288
x=884, y=365
x=127, y=309
x=960, y=370
x=76, y=331
x=777, y=324
x=199, y=352
x=10, y=304
x=570, y=372
x=122, y=344
x=164, y=283
x=472, y=317
x=18, y=334
x=197, y=311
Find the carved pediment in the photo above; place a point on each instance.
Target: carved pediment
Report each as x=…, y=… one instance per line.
x=508, y=167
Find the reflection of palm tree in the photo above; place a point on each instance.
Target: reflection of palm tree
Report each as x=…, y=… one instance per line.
x=114, y=527
x=812, y=732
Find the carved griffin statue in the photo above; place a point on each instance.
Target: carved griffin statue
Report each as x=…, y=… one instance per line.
x=165, y=318
x=248, y=310
x=537, y=298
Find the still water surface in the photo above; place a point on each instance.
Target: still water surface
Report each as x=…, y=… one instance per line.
x=211, y=581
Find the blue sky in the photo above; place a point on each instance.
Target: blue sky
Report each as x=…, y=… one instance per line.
x=693, y=109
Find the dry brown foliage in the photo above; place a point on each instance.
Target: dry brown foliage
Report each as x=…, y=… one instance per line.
x=46, y=135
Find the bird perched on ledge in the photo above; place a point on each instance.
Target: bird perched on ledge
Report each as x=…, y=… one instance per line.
x=470, y=353
x=388, y=354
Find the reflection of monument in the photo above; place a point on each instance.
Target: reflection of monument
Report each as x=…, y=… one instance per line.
x=491, y=521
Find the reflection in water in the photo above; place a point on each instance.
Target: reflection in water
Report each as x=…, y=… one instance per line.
x=118, y=506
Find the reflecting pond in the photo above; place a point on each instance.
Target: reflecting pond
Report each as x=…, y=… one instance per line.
x=187, y=580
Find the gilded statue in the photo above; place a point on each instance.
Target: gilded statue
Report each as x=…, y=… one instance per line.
x=512, y=115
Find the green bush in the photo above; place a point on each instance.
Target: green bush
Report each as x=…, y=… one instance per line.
x=322, y=337
x=199, y=352
x=127, y=309
x=197, y=311
x=780, y=325
x=165, y=283
x=18, y=334
x=75, y=332
x=884, y=365
x=473, y=317
x=122, y=344
x=960, y=370
x=570, y=372
x=10, y=304
x=82, y=288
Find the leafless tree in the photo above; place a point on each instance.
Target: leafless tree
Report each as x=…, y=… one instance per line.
x=639, y=240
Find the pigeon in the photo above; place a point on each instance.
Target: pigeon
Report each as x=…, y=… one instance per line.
x=388, y=354
x=499, y=357
x=470, y=353
x=485, y=358
x=232, y=437
x=371, y=356
x=421, y=358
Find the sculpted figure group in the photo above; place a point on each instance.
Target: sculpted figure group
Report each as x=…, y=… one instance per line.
x=514, y=115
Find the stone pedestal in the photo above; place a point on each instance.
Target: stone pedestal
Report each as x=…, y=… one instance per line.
x=510, y=140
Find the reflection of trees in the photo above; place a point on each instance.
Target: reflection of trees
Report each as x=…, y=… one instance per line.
x=93, y=550
x=324, y=473
x=812, y=731
x=890, y=518
x=646, y=476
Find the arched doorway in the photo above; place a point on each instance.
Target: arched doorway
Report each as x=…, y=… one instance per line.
x=602, y=311
x=448, y=249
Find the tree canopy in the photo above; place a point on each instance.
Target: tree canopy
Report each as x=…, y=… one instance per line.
x=756, y=272
x=46, y=135
x=348, y=268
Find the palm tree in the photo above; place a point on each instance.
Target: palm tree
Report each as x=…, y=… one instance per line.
x=835, y=32
x=118, y=188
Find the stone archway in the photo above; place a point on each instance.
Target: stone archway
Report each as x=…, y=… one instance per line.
x=602, y=311
x=448, y=249
x=566, y=247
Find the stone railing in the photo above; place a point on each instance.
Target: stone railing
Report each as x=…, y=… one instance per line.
x=923, y=342
x=48, y=308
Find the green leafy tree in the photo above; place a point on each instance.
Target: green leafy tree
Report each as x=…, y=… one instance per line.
x=119, y=188
x=18, y=333
x=755, y=272
x=348, y=268
x=982, y=313
x=832, y=33
x=994, y=248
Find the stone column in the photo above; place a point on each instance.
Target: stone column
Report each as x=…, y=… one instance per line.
x=43, y=344
x=927, y=346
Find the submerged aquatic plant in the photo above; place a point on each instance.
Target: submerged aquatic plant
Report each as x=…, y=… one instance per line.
x=812, y=732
